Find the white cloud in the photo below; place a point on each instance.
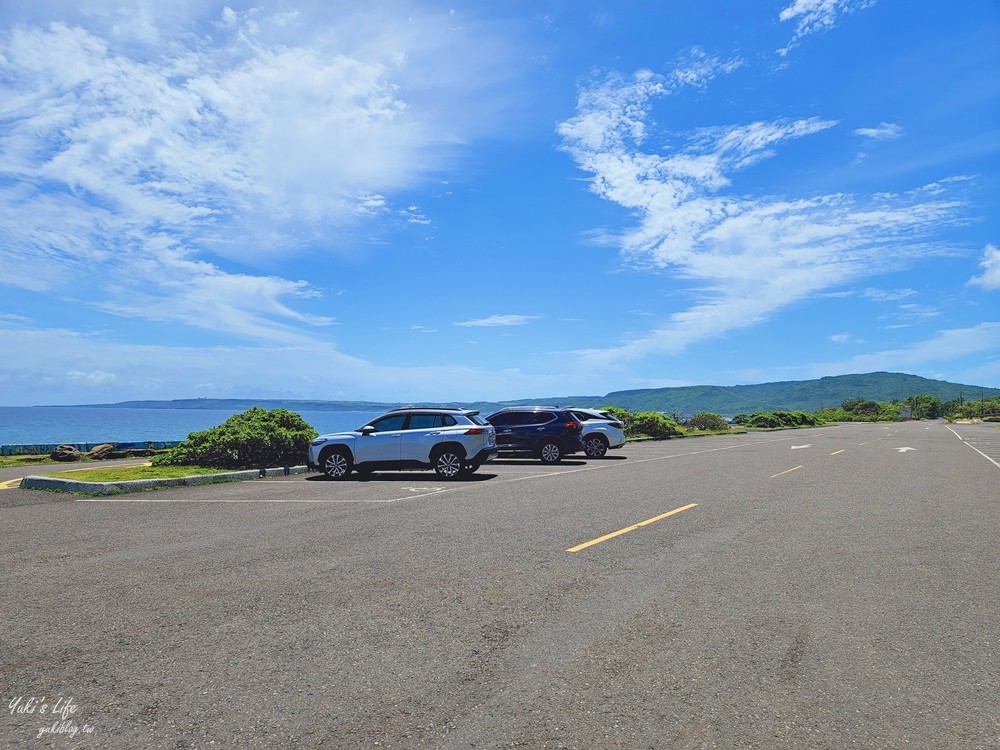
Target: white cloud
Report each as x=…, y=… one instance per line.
x=817, y=15
x=890, y=295
x=749, y=256
x=885, y=131
x=841, y=338
x=989, y=280
x=139, y=139
x=499, y=320
x=947, y=345
x=94, y=378
x=698, y=68
x=58, y=366
x=914, y=311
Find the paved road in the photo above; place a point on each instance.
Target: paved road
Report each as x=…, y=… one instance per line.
x=807, y=589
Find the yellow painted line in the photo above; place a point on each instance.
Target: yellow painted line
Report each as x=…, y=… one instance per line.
x=840, y=451
x=864, y=443
x=10, y=484
x=786, y=471
x=633, y=527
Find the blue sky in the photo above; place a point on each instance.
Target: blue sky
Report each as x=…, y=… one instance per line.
x=430, y=202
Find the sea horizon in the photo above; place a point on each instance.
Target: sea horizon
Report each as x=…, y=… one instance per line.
x=54, y=425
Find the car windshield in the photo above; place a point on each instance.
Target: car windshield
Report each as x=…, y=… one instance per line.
x=477, y=419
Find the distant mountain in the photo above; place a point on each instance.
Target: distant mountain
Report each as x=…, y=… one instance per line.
x=794, y=395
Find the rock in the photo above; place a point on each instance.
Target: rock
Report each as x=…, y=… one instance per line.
x=65, y=453
x=101, y=452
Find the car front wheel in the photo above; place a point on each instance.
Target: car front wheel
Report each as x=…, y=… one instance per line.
x=550, y=453
x=595, y=446
x=449, y=464
x=336, y=464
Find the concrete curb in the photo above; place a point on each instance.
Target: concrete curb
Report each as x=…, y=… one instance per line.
x=58, y=484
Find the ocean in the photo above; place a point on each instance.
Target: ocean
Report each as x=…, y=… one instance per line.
x=50, y=425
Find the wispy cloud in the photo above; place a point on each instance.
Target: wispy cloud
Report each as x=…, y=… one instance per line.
x=885, y=131
x=947, y=345
x=499, y=320
x=989, y=279
x=811, y=16
x=747, y=257
x=98, y=368
x=887, y=295
x=139, y=148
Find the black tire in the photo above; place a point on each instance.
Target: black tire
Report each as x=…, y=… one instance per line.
x=449, y=463
x=336, y=463
x=550, y=452
x=595, y=446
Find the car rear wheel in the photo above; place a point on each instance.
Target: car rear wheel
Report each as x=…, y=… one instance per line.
x=449, y=464
x=595, y=446
x=550, y=452
x=336, y=463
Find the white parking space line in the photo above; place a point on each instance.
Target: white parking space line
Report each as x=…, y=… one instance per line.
x=990, y=442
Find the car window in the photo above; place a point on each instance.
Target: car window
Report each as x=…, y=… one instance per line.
x=477, y=419
x=584, y=416
x=424, y=421
x=504, y=419
x=385, y=424
x=539, y=417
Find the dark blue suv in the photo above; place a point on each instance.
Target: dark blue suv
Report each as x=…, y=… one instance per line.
x=544, y=432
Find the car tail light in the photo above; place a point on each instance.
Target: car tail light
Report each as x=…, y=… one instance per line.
x=477, y=431
x=617, y=425
x=574, y=425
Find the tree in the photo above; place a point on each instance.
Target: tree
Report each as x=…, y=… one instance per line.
x=925, y=406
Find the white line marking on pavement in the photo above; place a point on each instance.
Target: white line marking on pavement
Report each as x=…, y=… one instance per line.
x=975, y=448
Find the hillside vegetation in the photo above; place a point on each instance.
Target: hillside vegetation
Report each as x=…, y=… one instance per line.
x=792, y=396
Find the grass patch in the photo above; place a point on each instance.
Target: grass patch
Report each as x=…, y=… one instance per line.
x=130, y=473
x=7, y=462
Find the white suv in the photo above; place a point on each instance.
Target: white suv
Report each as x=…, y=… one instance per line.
x=601, y=430
x=453, y=442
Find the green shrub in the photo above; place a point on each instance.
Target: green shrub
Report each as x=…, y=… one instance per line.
x=779, y=419
x=255, y=439
x=706, y=420
x=653, y=424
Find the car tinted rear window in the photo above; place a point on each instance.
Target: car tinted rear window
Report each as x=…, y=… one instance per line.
x=539, y=417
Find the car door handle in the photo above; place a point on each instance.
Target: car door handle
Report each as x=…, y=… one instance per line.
x=433, y=433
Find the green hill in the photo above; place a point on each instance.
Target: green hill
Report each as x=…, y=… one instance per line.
x=801, y=395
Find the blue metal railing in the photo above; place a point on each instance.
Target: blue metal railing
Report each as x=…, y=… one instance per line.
x=46, y=448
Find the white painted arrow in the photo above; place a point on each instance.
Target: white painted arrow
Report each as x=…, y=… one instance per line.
x=797, y=447
x=903, y=450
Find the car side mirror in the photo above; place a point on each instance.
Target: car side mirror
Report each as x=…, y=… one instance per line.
x=367, y=430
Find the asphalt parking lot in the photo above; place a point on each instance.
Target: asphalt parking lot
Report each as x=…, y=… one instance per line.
x=821, y=588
